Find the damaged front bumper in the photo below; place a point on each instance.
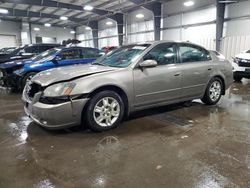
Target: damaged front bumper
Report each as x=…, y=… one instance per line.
x=54, y=116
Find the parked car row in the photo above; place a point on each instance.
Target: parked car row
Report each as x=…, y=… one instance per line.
x=100, y=93
x=7, y=50
x=131, y=78
x=16, y=73
x=25, y=52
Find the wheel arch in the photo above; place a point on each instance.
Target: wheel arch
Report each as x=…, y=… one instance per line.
x=24, y=75
x=223, y=83
x=114, y=88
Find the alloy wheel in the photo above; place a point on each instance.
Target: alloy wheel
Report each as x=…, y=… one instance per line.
x=215, y=91
x=106, y=111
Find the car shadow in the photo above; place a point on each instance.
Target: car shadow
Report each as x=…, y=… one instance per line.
x=132, y=117
x=160, y=110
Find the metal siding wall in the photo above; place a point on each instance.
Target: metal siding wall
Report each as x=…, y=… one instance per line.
x=11, y=28
x=233, y=45
x=140, y=37
x=8, y=41
x=208, y=43
x=87, y=39
x=236, y=32
x=111, y=41
x=179, y=27
x=145, y=26
x=107, y=36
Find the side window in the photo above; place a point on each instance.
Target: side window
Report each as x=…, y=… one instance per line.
x=163, y=53
x=44, y=48
x=71, y=54
x=32, y=49
x=193, y=54
x=91, y=53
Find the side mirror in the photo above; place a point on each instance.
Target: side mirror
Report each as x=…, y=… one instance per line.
x=148, y=63
x=101, y=54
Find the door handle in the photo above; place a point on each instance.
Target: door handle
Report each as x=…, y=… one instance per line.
x=177, y=74
x=209, y=68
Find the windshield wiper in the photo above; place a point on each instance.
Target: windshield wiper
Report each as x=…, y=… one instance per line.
x=96, y=63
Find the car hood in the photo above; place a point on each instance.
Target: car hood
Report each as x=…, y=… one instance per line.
x=2, y=55
x=61, y=74
x=15, y=63
x=243, y=56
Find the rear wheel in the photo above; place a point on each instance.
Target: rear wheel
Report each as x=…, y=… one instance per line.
x=105, y=111
x=213, y=92
x=27, y=78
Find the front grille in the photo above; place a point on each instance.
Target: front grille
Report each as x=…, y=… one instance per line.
x=243, y=62
x=32, y=89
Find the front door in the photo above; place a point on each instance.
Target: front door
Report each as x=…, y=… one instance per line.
x=160, y=84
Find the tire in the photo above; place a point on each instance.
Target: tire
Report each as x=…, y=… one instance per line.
x=26, y=78
x=213, y=92
x=99, y=116
x=237, y=78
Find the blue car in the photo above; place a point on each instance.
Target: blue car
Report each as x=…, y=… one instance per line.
x=15, y=74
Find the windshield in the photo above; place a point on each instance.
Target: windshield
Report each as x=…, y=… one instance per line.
x=10, y=50
x=2, y=50
x=16, y=51
x=123, y=56
x=46, y=54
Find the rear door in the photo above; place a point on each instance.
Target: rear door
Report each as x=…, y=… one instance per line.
x=196, y=65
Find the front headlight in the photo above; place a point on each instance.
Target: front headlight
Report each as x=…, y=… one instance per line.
x=61, y=89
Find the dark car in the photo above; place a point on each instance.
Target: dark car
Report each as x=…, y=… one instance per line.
x=25, y=52
x=7, y=50
x=15, y=74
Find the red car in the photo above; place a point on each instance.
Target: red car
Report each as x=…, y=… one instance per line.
x=107, y=49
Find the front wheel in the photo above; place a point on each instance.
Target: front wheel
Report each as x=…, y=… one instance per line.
x=213, y=92
x=104, y=111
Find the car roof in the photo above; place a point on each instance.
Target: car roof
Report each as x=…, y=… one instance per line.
x=69, y=47
x=42, y=44
x=165, y=41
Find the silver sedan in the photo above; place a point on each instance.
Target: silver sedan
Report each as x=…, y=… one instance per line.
x=131, y=78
